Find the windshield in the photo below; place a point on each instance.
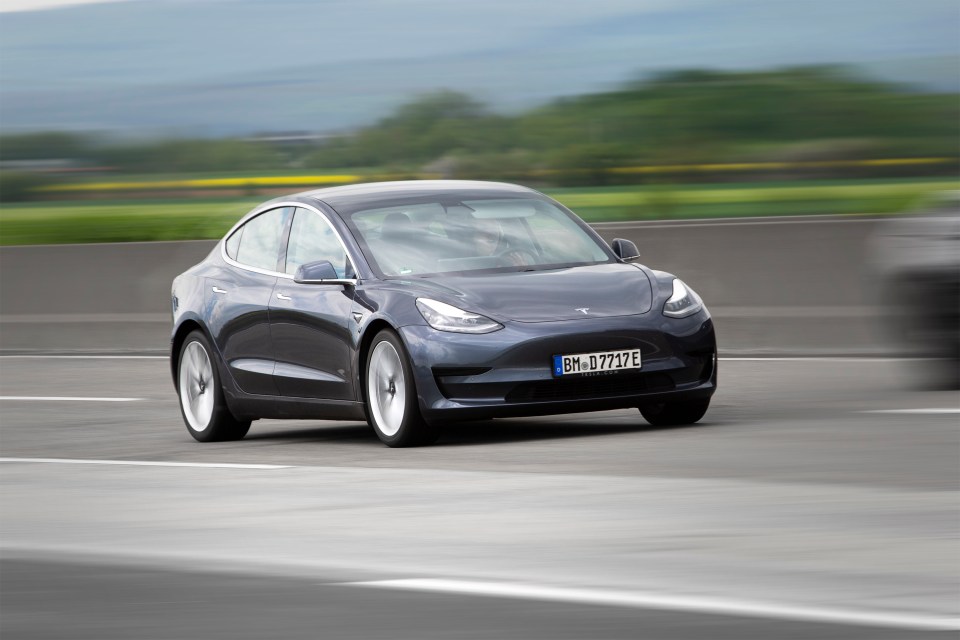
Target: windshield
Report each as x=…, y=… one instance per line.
x=473, y=235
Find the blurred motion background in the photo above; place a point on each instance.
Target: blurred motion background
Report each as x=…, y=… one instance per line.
x=167, y=120
x=626, y=109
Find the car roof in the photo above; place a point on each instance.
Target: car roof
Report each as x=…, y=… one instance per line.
x=350, y=196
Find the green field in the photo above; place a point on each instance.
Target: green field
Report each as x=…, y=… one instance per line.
x=125, y=221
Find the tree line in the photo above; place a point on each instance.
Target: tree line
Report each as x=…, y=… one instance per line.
x=673, y=119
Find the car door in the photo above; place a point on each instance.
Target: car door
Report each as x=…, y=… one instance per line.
x=239, y=300
x=309, y=323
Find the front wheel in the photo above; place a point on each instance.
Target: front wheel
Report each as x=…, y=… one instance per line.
x=392, y=404
x=202, y=404
x=674, y=414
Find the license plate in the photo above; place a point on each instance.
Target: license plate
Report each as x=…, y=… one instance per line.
x=581, y=363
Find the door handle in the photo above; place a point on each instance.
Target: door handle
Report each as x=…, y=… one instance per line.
x=219, y=290
x=280, y=296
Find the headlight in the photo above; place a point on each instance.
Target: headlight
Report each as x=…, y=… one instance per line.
x=684, y=301
x=445, y=317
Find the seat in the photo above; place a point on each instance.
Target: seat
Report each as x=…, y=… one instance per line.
x=396, y=226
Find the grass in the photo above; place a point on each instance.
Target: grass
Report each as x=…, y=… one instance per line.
x=118, y=222
x=743, y=200
x=132, y=220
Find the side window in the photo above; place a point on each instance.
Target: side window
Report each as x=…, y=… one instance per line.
x=312, y=239
x=260, y=241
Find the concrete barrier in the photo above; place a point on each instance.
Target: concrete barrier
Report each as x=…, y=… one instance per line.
x=91, y=297
x=791, y=286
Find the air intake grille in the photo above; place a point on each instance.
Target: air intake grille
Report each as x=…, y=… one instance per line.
x=590, y=387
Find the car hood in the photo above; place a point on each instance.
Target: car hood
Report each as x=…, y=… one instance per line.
x=596, y=291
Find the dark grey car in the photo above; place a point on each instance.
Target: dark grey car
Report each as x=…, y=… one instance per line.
x=410, y=304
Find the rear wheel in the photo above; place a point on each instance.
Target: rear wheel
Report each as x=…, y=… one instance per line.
x=202, y=403
x=669, y=414
x=392, y=404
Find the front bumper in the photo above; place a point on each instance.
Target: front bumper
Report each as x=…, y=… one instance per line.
x=508, y=372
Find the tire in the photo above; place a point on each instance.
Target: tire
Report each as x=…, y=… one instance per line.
x=393, y=408
x=202, y=403
x=673, y=414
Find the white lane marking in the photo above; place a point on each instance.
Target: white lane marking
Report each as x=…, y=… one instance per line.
x=61, y=357
x=723, y=358
x=724, y=224
x=135, y=243
x=798, y=219
x=797, y=312
x=66, y=399
x=30, y=318
x=727, y=222
x=863, y=359
x=149, y=463
x=928, y=411
x=646, y=600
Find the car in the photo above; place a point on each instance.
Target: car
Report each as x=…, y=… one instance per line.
x=915, y=263
x=414, y=304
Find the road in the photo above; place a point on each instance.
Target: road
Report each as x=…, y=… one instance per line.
x=817, y=499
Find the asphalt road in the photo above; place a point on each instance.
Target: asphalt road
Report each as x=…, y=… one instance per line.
x=106, y=602
x=817, y=499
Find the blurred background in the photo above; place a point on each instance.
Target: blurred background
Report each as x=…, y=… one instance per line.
x=649, y=109
x=796, y=161
x=167, y=120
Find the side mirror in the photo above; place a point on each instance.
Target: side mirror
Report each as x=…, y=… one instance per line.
x=319, y=272
x=625, y=249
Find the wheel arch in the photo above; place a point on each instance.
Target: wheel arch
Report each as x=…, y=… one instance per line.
x=180, y=335
x=369, y=333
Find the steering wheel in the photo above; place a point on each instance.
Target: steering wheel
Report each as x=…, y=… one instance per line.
x=517, y=258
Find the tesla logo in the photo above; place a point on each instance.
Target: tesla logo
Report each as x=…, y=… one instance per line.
x=583, y=309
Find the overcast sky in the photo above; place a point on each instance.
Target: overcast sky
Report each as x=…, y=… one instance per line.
x=37, y=5
x=371, y=54
x=724, y=33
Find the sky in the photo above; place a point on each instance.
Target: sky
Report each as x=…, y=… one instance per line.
x=39, y=5
x=195, y=63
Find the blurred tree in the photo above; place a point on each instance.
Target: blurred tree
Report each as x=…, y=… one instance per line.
x=424, y=130
x=43, y=146
x=588, y=164
x=689, y=117
x=19, y=186
x=191, y=156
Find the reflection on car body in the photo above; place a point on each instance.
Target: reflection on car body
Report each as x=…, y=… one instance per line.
x=410, y=304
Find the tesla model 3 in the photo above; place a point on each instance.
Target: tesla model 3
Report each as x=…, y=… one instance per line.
x=414, y=304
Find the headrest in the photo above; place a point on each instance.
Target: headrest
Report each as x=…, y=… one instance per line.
x=396, y=224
